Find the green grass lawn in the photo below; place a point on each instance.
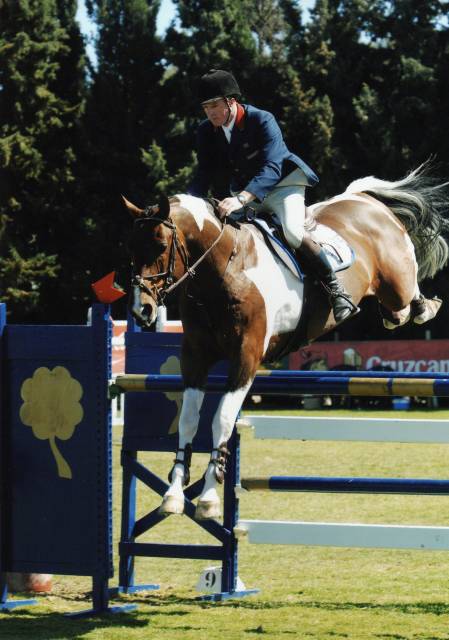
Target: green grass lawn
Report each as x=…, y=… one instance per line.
x=310, y=593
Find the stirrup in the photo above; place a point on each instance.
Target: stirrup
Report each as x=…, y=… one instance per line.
x=185, y=462
x=219, y=463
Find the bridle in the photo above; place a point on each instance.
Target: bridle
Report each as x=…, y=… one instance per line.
x=167, y=276
x=159, y=293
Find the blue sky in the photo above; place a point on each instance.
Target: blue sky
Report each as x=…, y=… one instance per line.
x=165, y=16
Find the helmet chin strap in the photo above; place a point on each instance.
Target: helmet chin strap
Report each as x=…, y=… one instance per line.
x=228, y=104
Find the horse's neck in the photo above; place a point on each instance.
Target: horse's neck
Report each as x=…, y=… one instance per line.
x=197, y=224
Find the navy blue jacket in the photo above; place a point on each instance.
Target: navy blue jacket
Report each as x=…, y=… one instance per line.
x=255, y=160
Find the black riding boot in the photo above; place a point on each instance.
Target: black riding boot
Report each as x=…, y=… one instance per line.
x=315, y=259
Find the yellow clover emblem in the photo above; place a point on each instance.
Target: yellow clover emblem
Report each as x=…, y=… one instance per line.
x=52, y=409
x=173, y=366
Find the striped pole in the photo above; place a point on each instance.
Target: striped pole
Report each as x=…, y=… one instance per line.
x=402, y=486
x=357, y=383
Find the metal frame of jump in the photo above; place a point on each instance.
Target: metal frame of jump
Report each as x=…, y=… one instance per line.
x=150, y=425
x=323, y=383
x=55, y=454
x=71, y=469
x=341, y=534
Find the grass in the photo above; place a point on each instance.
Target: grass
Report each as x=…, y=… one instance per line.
x=308, y=593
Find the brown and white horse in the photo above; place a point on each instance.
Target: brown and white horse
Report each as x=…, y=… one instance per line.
x=241, y=304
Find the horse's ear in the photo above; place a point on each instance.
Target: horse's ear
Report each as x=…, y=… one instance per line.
x=164, y=207
x=132, y=209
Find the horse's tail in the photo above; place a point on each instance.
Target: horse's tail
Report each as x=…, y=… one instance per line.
x=420, y=202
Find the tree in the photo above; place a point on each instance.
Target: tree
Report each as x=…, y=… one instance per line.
x=125, y=114
x=40, y=106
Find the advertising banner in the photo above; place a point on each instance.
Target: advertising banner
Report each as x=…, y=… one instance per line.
x=413, y=356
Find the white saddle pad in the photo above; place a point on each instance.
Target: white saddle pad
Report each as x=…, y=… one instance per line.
x=340, y=254
x=338, y=251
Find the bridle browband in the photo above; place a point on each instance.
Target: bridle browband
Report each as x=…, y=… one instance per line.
x=169, y=285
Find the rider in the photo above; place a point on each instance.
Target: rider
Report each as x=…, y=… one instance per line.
x=241, y=151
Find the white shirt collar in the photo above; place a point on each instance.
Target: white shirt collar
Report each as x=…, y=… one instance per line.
x=228, y=129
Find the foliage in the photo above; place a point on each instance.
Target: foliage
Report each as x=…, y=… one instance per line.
x=41, y=103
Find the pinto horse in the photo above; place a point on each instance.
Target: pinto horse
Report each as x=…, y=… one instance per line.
x=238, y=302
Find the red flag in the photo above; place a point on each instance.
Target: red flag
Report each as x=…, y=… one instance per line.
x=105, y=289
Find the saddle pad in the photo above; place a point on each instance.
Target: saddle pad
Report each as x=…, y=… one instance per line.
x=277, y=247
x=338, y=251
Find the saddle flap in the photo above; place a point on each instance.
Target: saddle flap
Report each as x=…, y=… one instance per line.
x=339, y=253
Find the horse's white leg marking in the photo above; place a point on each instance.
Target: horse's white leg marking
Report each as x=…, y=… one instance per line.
x=173, y=501
x=222, y=426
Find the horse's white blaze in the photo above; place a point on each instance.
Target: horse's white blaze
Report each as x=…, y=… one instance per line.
x=199, y=210
x=281, y=290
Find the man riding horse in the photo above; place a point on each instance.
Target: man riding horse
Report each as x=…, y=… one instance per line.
x=245, y=145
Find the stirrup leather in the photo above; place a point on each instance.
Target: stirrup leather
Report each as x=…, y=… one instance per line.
x=185, y=462
x=219, y=463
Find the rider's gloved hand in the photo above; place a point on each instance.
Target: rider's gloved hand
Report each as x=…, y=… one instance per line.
x=228, y=205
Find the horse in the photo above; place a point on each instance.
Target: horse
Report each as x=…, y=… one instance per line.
x=238, y=302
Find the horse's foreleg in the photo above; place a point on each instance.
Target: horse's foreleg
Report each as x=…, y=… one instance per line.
x=179, y=476
x=194, y=373
x=242, y=371
x=223, y=423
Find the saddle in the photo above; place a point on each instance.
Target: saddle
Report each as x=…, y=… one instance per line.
x=339, y=253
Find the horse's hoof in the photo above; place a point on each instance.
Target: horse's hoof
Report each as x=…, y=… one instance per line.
x=394, y=319
x=171, y=505
x=391, y=326
x=207, y=510
x=432, y=306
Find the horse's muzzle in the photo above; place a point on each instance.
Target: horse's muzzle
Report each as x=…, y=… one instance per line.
x=144, y=314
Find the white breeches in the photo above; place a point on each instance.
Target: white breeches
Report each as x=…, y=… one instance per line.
x=289, y=206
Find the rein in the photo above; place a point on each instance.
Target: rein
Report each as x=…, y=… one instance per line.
x=169, y=285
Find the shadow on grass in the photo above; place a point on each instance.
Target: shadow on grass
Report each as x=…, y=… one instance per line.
x=434, y=608
x=257, y=603
x=21, y=624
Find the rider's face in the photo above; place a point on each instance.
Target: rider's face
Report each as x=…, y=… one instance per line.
x=217, y=111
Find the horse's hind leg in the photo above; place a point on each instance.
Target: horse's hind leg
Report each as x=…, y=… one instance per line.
x=399, y=296
x=424, y=309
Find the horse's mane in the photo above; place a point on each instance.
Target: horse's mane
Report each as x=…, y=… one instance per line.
x=420, y=202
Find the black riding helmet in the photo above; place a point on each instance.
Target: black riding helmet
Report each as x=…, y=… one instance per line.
x=217, y=83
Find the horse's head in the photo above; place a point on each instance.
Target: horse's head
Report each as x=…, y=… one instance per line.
x=154, y=245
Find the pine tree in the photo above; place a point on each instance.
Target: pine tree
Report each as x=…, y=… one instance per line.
x=125, y=115
x=40, y=107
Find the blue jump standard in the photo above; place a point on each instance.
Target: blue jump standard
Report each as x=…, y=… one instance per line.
x=305, y=382
x=348, y=485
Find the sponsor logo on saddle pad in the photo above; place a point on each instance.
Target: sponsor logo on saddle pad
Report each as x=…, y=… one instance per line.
x=340, y=254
